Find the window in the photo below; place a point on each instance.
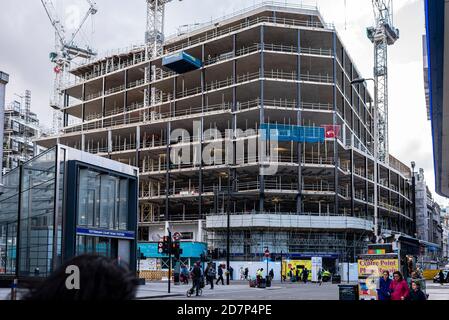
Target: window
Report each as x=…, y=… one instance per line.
x=107, y=201
x=123, y=205
x=102, y=200
x=187, y=236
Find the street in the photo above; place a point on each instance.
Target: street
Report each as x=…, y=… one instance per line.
x=239, y=290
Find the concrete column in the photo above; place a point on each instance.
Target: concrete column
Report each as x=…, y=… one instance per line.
x=109, y=141
x=137, y=145
x=199, y=237
x=298, y=122
x=352, y=184
x=199, y=155
x=83, y=142
x=335, y=120
x=262, y=114
x=167, y=175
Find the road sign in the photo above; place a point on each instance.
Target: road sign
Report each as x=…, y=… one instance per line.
x=177, y=236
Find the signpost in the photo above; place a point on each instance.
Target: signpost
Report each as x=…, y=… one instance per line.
x=267, y=255
x=169, y=258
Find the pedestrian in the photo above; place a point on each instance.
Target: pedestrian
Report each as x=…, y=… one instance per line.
x=206, y=272
x=305, y=275
x=231, y=272
x=184, y=275
x=416, y=293
x=297, y=274
x=320, y=276
x=196, y=278
x=100, y=279
x=398, y=287
x=210, y=275
x=246, y=273
x=259, y=276
x=271, y=274
x=441, y=277
x=220, y=275
x=384, y=286
x=242, y=273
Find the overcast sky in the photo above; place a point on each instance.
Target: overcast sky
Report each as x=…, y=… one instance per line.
x=26, y=38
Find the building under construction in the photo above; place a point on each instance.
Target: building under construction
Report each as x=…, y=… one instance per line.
x=21, y=128
x=207, y=96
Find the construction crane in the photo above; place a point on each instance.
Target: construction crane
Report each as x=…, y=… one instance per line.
x=65, y=52
x=154, y=35
x=382, y=35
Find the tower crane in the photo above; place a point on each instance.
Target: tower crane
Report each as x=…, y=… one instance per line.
x=382, y=35
x=154, y=35
x=65, y=52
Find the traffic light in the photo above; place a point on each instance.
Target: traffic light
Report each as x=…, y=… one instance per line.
x=163, y=246
x=176, y=249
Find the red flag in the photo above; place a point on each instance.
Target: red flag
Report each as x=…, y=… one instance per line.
x=331, y=131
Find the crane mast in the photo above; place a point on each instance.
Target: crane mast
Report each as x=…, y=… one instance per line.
x=382, y=35
x=154, y=35
x=64, y=53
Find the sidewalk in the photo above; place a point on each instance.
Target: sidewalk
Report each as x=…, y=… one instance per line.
x=437, y=291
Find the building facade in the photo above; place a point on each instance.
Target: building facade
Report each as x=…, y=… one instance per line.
x=428, y=223
x=196, y=137
x=445, y=226
x=21, y=127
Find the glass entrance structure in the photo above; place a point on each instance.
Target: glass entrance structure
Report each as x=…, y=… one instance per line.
x=64, y=203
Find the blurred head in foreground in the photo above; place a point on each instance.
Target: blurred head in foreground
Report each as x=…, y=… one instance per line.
x=86, y=278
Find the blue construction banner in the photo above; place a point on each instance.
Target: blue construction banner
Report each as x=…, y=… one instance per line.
x=288, y=133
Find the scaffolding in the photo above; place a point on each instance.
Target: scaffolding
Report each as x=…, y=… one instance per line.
x=274, y=65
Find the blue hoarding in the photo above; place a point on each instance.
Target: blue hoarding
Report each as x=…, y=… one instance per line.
x=287, y=133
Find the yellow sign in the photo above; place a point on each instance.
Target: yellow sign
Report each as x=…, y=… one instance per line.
x=293, y=264
x=376, y=266
x=370, y=269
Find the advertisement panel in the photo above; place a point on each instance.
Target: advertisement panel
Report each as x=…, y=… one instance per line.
x=370, y=269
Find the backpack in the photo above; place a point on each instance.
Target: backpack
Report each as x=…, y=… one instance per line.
x=211, y=272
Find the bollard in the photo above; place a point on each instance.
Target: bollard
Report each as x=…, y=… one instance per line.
x=14, y=290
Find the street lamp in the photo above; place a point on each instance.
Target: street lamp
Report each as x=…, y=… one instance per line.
x=414, y=198
x=376, y=150
x=228, y=227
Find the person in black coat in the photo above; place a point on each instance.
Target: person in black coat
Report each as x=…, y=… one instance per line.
x=441, y=276
x=416, y=293
x=305, y=275
x=246, y=273
x=220, y=275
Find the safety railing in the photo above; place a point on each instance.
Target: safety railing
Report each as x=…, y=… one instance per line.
x=248, y=23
